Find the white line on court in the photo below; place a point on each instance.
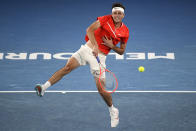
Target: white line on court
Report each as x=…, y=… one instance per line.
x=64, y=91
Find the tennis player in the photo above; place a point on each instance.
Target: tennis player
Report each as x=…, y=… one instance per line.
x=102, y=36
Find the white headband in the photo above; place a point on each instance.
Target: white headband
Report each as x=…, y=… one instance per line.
x=118, y=9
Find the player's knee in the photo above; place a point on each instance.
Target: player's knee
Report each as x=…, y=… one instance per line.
x=101, y=92
x=99, y=88
x=66, y=69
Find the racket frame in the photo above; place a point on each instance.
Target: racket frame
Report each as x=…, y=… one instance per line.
x=101, y=72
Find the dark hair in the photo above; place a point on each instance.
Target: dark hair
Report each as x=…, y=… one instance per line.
x=117, y=5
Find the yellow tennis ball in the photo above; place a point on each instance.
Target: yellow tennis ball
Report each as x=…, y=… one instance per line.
x=141, y=69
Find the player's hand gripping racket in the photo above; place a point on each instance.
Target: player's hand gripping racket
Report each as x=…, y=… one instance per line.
x=107, y=79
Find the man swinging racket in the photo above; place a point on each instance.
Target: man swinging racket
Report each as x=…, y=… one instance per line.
x=102, y=36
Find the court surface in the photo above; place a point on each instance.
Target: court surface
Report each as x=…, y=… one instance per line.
x=38, y=36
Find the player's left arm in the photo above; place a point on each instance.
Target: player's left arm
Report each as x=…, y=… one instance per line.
x=120, y=50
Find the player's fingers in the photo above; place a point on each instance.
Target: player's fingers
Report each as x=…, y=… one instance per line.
x=95, y=53
x=106, y=37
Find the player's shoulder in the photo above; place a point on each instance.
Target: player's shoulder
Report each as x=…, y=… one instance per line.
x=125, y=28
x=106, y=17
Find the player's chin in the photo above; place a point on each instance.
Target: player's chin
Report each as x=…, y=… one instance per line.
x=117, y=20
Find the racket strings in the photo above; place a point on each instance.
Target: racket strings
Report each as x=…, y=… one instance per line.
x=109, y=82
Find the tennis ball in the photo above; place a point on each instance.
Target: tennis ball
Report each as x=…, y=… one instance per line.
x=141, y=69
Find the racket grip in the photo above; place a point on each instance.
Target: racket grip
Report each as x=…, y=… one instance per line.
x=98, y=60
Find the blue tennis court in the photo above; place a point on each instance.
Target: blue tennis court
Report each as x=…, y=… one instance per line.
x=37, y=37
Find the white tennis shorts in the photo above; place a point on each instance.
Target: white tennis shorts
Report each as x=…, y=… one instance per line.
x=85, y=56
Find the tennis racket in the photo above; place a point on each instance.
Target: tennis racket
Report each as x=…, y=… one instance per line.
x=107, y=79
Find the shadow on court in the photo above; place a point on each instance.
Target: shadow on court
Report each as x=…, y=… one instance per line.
x=87, y=112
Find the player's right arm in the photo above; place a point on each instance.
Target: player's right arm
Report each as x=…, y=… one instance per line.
x=90, y=33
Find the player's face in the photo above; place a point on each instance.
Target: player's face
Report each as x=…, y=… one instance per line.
x=117, y=16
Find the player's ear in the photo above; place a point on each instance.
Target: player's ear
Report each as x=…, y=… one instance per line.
x=123, y=15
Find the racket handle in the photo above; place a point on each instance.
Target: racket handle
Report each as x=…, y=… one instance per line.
x=98, y=60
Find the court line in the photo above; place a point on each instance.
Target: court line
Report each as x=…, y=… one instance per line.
x=128, y=91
